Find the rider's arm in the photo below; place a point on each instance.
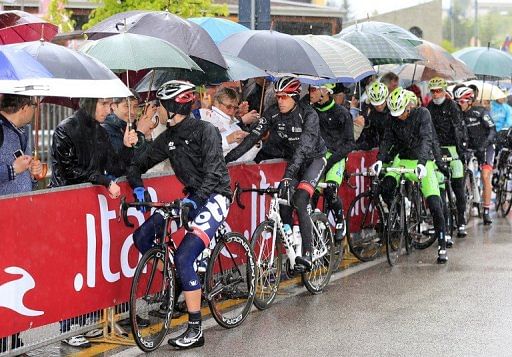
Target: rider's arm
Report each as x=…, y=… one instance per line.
x=436, y=148
x=156, y=153
x=347, y=143
x=250, y=140
x=488, y=123
x=386, y=144
x=213, y=161
x=425, y=136
x=459, y=128
x=307, y=142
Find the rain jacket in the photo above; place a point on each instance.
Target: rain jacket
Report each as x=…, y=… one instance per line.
x=411, y=139
x=480, y=127
x=298, y=132
x=373, y=132
x=501, y=115
x=447, y=120
x=337, y=130
x=195, y=151
x=82, y=152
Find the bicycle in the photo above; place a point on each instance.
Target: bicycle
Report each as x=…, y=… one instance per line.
x=228, y=285
x=266, y=242
x=452, y=220
x=504, y=182
x=365, y=235
x=397, y=232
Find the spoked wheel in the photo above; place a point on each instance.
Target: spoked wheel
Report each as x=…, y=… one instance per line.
x=417, y=225
x=322, y=249
x=151, y=300
x=506, y=198
x=499, y=188
x=268, y=262
x=365, y=227
x=470, y=198
x=230, y=280
x=395, y=235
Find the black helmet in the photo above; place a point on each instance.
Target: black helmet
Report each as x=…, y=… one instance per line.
x=177, y=96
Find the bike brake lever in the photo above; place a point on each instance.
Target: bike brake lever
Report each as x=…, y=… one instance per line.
x=123, y=212
x=237, y=194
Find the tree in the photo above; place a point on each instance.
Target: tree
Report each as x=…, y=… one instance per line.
x=183, y=8
x=58, y=15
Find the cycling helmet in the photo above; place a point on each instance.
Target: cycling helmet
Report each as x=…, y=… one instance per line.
x=437, y=83
x=413, y=98
x=177, y=97
x=398, y=101
x=330, y=87
x=288, y=85
x=464, y=93
x=377, y=93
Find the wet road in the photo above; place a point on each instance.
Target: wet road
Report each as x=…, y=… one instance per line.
x=419, y=308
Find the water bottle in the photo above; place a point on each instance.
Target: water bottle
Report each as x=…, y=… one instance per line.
x=288, y=235
x=407, y=207
x=297, y=239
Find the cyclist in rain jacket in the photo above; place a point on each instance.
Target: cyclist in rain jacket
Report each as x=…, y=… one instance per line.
x=449, y=126
x=378, y=118
x=481, y=134
x=297, y=127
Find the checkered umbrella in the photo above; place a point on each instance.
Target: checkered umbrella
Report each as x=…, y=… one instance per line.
x=384, y=28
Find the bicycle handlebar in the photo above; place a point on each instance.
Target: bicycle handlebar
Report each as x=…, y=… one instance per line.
x=176, y=209
x=262, y=191
x=400, y=170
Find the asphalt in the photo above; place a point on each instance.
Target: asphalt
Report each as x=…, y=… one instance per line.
x=419, y=308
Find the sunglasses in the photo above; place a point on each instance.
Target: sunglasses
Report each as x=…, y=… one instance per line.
x=282, y=96
x=463, y=101
x=230, y=106
x=436, y=91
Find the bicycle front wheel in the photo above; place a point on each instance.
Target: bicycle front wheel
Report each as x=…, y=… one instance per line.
x=470, y=198
x=395, y=235
x=151, y=300
x=365, y=227
x=230, y=280
x=268, y=262
x=323, y=257
x=506, y=198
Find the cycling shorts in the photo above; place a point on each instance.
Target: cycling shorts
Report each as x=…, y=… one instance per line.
x=456, y=166
x=429, y=184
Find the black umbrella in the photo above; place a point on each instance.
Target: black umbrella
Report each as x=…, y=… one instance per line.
x=276, y=52
x=186, y=35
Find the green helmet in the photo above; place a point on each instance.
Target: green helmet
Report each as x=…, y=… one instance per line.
x=398, y=101
x=377, y=93
x=437, y=83
x=412, y=97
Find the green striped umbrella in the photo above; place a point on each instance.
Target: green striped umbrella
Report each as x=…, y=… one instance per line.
x=384, y=28
x=486, y=62
x=381, y=49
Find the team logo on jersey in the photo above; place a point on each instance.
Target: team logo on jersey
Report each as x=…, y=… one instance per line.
x=296, y=130
x=171, y=145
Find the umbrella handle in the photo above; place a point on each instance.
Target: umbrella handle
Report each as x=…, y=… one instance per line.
x=263, y=94
x=37, y=116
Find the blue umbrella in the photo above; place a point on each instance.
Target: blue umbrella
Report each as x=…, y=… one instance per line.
x=17, y=65
x=218, y=29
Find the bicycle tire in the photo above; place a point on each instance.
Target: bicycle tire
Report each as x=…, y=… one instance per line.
x=268, y=277
x=468, y=191
x=339, y=248
x=395, y=235
x=230, y=280
x=322, y=244
x=365, y=240
x=499, y=189
x=416, y=236
x=153, y=303
x=506, y=199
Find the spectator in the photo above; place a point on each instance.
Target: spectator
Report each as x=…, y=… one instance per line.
x=391, y=80
x=82, y=152
x=501, y=114
x=16, y=172
x=222, y=116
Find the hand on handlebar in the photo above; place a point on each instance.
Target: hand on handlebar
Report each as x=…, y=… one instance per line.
x=284, y=188
x=376, y=167
x=141, y=195
x=421, y=171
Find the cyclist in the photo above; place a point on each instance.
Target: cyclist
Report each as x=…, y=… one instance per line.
x=337, y=130
x=195, y=151
x=449, y=126
x=296, y=125
x=481, y=135
x=410, y=135
x=378, y=120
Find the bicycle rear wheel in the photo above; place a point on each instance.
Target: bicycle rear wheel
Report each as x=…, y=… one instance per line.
x=395, y=235
x=506, y=198
x=268, y=262
x=365, y=227
x=230, y=280
x=470, y=198
x=417, y=225
x=322, y=247
x=151, y=300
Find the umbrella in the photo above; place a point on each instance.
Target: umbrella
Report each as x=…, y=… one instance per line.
x=238, y=70
x=218, y=29
x=133, y=52
x=16, y=65
x=384, y=28
x=486, y=62
x=73, y=74
x=381, y=49
x=187, y=36
x=277, y=53
x=346, y=62
x=19, y=26
x=486, y=91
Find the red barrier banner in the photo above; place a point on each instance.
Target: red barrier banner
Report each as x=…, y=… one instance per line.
x=65, y=253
